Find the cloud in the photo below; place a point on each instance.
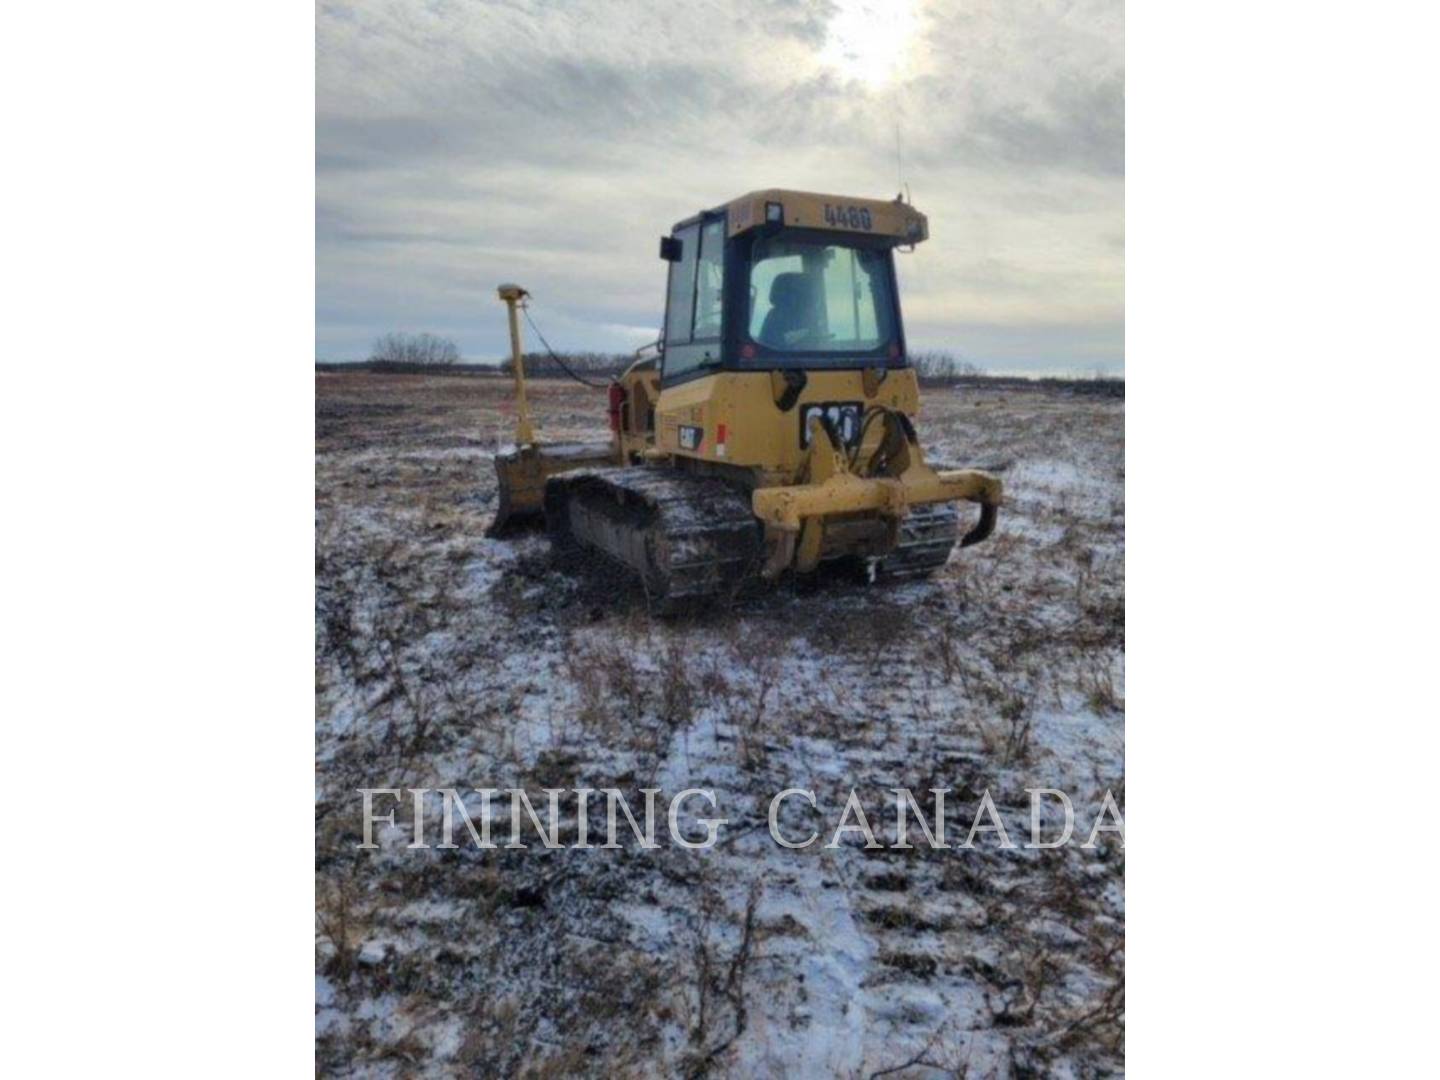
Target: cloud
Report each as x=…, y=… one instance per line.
x=461, y=144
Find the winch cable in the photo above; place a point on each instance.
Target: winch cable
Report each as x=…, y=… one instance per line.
x=553, y=356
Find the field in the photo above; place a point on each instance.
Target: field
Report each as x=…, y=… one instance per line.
x=448, y=660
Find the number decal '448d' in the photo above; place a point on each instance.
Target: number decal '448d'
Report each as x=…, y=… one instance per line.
x=847, y=217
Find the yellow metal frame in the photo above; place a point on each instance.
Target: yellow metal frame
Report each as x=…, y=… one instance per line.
x=794, y=514
x=524, y=429
x=758, y=434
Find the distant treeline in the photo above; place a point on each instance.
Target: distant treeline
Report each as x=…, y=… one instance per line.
x=544, y=366
x=393, y=367
x=1107, y=386
x=939, y=368
x=431, y=354
x=932, y=368
x=537, y=366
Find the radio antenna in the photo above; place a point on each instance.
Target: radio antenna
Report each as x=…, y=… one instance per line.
x=899, y=160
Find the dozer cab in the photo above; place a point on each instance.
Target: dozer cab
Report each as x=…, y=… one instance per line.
x=774, y=429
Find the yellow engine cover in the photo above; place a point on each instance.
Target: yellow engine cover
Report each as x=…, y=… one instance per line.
x=735, y=417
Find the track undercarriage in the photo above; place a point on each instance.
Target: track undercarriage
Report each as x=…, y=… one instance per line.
x=684, y=537
x=690, y=538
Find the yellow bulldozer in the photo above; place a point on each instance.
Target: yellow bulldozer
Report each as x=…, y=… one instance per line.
x=773, y=428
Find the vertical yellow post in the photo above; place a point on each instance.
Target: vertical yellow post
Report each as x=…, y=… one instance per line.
x=524, y=432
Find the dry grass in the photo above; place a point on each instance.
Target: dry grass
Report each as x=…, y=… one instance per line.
x=447, y=660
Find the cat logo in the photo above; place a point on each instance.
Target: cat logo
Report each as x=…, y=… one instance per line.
x=843, y=418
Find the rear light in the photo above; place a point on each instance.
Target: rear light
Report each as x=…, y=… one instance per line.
x=617, y=403
x=747, y=351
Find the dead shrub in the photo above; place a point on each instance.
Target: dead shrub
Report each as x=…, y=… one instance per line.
x=718, y=1006
x=340, y=918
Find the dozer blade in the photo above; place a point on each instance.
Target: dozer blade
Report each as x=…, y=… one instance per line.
x=522, y=472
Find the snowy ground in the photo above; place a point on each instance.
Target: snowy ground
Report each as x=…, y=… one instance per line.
x=446, y=660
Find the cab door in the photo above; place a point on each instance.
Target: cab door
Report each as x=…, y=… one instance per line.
x=694, y=306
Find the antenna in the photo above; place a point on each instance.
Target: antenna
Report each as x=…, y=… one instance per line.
x=899, y=159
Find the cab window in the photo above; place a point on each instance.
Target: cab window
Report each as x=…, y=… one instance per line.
x=680, y=305
x=710, y=284
x=809, y=296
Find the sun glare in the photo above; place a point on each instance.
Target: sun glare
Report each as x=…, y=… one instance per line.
x=869, y=40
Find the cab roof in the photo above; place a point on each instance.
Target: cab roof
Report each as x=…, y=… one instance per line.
x=894, y=219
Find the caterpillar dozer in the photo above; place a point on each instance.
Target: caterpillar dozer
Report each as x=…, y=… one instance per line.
x=773, y=428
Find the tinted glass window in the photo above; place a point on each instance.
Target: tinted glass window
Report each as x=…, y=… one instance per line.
x=808, y=296
x=711, y=282
x=681, y=304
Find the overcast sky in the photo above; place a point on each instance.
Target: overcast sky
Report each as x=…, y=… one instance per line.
x=462, y=143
